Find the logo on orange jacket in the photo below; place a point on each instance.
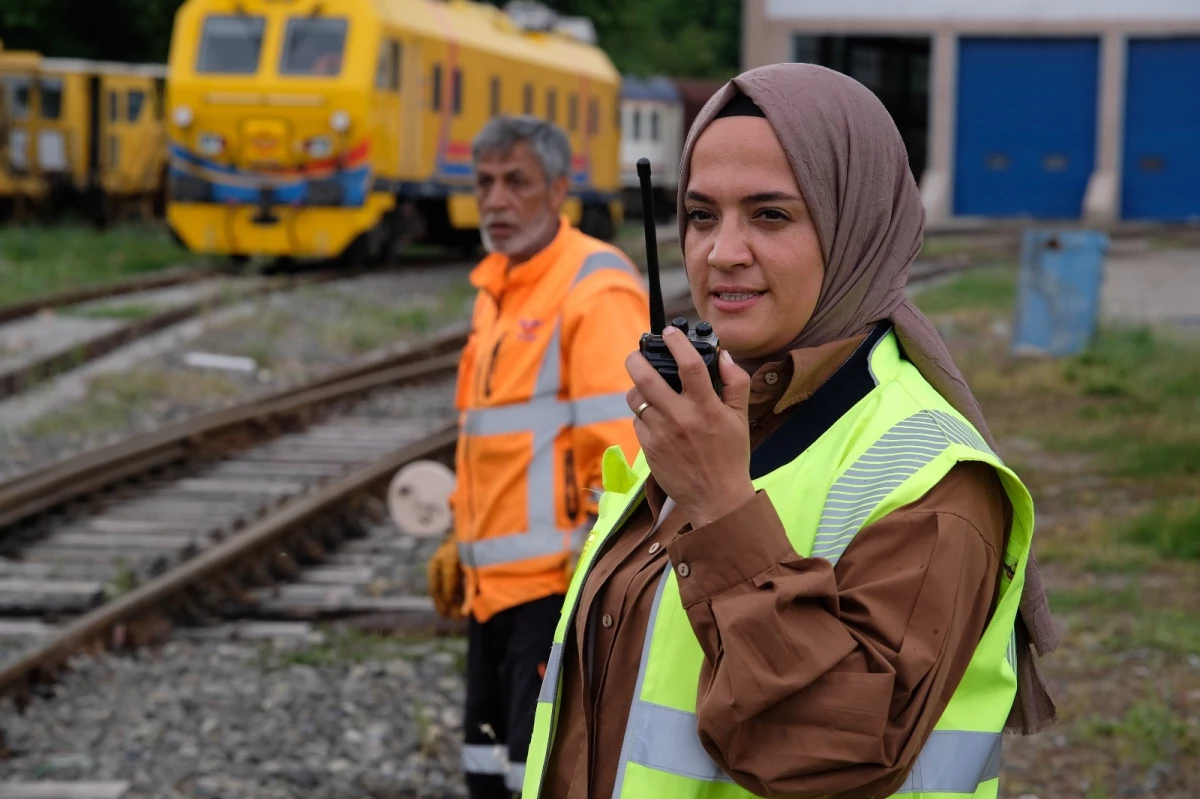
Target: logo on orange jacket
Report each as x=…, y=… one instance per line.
x=529, y=328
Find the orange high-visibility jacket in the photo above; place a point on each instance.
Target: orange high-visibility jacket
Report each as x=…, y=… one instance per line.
x=541, y=395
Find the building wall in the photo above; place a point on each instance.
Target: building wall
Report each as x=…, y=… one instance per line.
x=769, y=25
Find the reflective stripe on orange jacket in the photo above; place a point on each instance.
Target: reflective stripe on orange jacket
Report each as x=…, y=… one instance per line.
x=541, y=395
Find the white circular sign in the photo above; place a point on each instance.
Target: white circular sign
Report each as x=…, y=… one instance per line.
x=418, y=498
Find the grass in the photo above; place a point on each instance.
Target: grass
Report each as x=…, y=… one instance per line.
x=113, y=398
x=127, y=312
x=348, y=647
x=38, y=261
x=985, y=289
x=363, y=326
x=1109, y=444
x=1150, y=731
x=1171, y=528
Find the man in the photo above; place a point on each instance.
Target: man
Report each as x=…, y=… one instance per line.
x=541, y=393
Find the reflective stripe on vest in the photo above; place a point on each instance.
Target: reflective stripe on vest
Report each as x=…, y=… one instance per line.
x=543, y=416
x=898, y=454
x=666, y=739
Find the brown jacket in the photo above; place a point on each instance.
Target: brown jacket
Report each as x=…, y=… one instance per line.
x=817, y=681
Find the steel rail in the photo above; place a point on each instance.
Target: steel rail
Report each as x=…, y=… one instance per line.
x=97, y=624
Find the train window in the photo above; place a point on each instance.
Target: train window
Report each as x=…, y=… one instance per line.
x=593, y=122
x=495, y=96
x=528, y=98
x=653, y=126
x=572, y=113
x=637, y=126
x=160, y=86
x=230, y=44
x=457, y=91
x=17, y=91
x=313, y=46
x=382, y=68
x=437, y=87
x=114, y=106
x=133, y=105
x=552, y=105
x=52, y=94
x=387, y=70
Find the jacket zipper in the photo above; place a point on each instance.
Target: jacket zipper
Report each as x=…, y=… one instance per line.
x=570, y=495
x=491, y=368
x=608, y=539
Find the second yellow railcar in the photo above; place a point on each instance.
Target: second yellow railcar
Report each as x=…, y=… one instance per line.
x=83, y=134
x=319, y=128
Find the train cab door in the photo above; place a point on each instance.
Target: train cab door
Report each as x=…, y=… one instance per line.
x=109, y=136
x=385, y=154
x=19, y=121
x=139, y=136
x=412, y=95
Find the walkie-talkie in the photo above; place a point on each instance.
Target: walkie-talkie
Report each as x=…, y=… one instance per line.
x=652, y=345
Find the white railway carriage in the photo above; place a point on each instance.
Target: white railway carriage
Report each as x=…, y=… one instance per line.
x=651, y=127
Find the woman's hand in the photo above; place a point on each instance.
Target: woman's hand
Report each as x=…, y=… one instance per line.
x=697, y=444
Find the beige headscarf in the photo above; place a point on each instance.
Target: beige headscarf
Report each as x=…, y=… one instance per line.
x=852, y=168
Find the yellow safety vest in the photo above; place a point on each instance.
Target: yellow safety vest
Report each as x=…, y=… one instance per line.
x=886, y=451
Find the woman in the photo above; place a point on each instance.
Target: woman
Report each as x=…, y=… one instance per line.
x=811, y=584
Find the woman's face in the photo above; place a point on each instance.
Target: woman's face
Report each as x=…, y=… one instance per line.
x=753, y=260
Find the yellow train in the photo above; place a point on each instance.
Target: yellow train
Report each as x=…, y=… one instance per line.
x=83, y=134
x=327, y=128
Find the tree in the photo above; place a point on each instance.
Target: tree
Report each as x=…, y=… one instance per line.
x=684, y=38
x=114, y=30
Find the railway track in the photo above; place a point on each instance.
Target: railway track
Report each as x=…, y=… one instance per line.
x=252, y=512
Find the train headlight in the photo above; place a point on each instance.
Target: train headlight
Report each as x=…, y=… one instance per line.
x=210, y=144
x=319, y=147
x=182, y=116
x=339, y=121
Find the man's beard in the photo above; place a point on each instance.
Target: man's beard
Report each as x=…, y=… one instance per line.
x=522, y=241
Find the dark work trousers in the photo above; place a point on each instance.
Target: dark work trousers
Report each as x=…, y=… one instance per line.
x=506, y=658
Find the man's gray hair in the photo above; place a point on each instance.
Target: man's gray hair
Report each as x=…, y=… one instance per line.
x=547, y=140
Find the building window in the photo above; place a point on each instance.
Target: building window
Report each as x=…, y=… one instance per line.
x=457, y=90
x=437, y=87
x=593, y=122
x=637, y=125
x=114, y=110
x=552, y=105
x=528, y=98
x=653, y=126
x=805, y=49
x=572, y=113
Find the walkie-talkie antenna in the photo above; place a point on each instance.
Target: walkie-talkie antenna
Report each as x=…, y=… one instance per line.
x=658, y=314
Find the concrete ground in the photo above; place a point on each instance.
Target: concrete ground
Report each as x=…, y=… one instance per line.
x=1144, y=285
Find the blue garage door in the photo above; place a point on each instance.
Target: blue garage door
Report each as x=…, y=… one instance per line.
x=1026, y=126
x=1161, y=173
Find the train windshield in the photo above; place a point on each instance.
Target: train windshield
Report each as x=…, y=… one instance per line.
x=230, y=45
x=313, y=46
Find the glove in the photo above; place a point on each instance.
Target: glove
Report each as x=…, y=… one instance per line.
x=445, y=578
